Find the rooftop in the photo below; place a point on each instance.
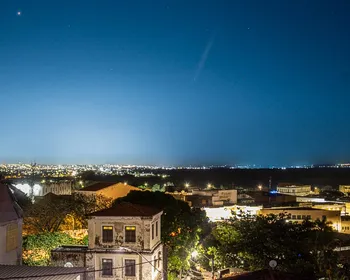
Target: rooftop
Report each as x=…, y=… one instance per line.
x=97, y=186
x=127, y=209
x=297, y=208
x=40, y=272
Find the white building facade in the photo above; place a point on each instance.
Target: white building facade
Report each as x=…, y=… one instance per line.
x=295, y=190
x=11, y=222
x=124, y=243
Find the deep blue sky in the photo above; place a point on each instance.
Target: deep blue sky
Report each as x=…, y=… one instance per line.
x=175, y=82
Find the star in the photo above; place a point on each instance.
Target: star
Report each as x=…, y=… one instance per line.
x=19, y=13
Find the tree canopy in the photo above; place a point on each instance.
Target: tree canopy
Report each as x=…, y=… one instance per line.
x=250, y=243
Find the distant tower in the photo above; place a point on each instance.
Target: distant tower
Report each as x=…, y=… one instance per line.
x=270, y=183
x=32, y=181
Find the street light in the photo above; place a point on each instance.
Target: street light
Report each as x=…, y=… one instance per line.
x=195, y=254
x=187, y=185
x=260, y=187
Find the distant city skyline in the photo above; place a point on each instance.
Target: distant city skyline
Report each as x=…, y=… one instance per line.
x=175, y=82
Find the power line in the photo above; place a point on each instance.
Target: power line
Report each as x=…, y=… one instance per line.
x=73, y=273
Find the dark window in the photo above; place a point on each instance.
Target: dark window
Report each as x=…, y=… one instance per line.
x=299, y=217
x=152, y=231
x=294, y=217
x=304, y=217
x=159, y=258
x=157, y=229
x=130, y=234
x=308, y=217
x=107, y=234
x=107, y=267
x=324, y=217
x=130, y=268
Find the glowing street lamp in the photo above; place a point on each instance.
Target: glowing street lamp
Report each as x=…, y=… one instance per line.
x=187, y=185
x=260, y=187
x=195, y=254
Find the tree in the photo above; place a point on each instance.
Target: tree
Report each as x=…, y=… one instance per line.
x=250, y=243
x=49, y=213
x=181, y=225
x=37, y=248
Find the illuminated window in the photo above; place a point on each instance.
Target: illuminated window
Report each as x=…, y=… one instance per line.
x=107, y=267
x=157, y=228
x=107, y=234
x=11, y=237
x=152, y=231
x=130, y=234
x=130, y=268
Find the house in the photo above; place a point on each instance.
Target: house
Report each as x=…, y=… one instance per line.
x=293, y=189
x=11, y=221
x=108, y=190
x=124, y=243
x=298, y=214
x=42, y=272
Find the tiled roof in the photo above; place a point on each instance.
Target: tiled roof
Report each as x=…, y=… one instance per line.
x=97, y=186
x=267, y=274
x=126, y=209
x=40, y=272
x=9, y=209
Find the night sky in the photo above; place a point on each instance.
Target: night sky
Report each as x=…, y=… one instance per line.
x=175, y=82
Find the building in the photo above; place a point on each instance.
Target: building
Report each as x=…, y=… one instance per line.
x=42, y=272
x=62, y=187
x=108, y=190
x=124, y=243
x=272, y=198
x=292, y=189
x=298, y=214
x=206, y=198
x=217, y=214
x=11, y=221
x=345, y=189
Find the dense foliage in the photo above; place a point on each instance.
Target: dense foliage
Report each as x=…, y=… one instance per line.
x=52, y=212
x=181, y=227
x=250, y=243
x=37, y=248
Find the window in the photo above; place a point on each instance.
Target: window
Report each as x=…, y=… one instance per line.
x=294, y=217
x=299, y=217
x=304, y=217
x=159, y=258
x=107, y=267
x=11, y=237
x=107, y=234
x=130, y=234
x=308, y=217
x=157, y=228
x=152, y=231
x=130, y=269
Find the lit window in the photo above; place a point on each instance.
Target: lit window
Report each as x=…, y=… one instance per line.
x=130, y=268
x=11, y=237
x=157, y=228
x=152, y=231
x=107, y=234
x=107, y=267
x=130, y=234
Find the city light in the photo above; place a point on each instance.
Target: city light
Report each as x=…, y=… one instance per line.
x=260, y=187
x=187, y=185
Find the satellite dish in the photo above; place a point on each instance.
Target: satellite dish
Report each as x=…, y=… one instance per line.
x=68, y=264
x=272, y=264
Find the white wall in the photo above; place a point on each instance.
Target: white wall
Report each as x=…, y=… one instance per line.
x=15, y=256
